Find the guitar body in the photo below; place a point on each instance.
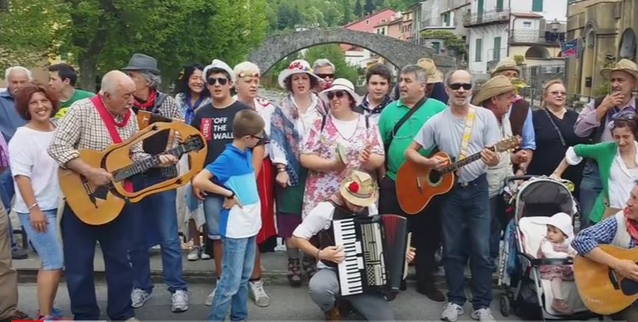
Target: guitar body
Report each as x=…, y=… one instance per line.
x=100, y=205
x=416, y=185
x=602, y=290
x=74, y=187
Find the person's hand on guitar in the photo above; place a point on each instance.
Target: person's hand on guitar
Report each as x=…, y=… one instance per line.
x=627, y=268
x=99, y=177
x=489, y=157
x=333, y=254
x=167, y=160
x=437, y=162
x=38, y=220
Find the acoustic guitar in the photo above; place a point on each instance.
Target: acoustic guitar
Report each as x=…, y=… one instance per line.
x=146, y=118
x=603, y=290
x=98, y=205
x=417, y=185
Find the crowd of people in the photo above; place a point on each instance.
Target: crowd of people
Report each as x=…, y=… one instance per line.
x=290, y=168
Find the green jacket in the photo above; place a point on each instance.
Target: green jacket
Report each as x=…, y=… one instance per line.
x=604, y=154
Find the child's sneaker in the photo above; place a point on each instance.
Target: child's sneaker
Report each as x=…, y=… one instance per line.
x=561, y=306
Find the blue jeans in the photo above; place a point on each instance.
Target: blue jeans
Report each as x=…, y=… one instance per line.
x=232, y=288
x=213, y=205
x=46, y=244
x=79, y=250
x=7, y=190
x=156, y=216
x=466, y=215
x=590, y=187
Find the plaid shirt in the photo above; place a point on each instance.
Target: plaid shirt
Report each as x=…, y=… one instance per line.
x=601, y=233
x=364, y=106
x=4, y=153
x=170, y=109
x=82, y=128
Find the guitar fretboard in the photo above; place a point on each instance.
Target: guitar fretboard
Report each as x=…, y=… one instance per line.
x=143, y=165
x=461, y=163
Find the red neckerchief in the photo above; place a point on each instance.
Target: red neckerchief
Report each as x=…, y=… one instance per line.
x=632, y=225
x=110, y=123
x=149, y=102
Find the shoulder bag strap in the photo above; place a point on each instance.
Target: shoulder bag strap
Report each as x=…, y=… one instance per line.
x=560, y=135
x=405, y=117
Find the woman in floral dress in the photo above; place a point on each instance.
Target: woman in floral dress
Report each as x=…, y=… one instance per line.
x=342, y=129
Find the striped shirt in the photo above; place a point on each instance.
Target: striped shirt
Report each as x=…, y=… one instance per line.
x=82, y=128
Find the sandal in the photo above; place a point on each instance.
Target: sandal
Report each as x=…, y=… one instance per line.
x=309, y=266
x=294, y=272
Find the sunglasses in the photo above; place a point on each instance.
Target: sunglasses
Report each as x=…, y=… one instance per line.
x=457, y=86
x=325, y=75
x=212, y=81
x=262, y=139
x=338, y=94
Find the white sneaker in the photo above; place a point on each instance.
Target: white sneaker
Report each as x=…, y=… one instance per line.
x=133, y=319
x=180, y=301
x=204, y=256
x=210, y=297
x=139, y=298
x=451, y=312
x=256, y=292
x=193, y=255
x=484, y=314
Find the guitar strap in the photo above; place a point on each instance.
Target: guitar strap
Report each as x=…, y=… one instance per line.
x=110, y=124
x=467, y=133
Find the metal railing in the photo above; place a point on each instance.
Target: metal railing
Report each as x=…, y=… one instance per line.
x=488, y=16
x=536, y=36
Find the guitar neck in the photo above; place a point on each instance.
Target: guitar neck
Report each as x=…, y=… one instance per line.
x=143, y=165
x=461, y=163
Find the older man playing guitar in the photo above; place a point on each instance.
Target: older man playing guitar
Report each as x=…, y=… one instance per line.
x=94, y=124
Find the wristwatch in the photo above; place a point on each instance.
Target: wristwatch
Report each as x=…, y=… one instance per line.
x=231, y=196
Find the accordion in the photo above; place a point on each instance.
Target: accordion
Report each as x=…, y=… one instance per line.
x=375, y=253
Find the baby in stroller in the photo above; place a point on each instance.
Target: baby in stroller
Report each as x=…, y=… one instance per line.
x=556, y=244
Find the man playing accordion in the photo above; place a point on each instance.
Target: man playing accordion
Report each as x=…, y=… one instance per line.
x=357, y=196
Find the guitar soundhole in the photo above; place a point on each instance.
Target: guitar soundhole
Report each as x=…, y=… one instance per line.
x=434, y=176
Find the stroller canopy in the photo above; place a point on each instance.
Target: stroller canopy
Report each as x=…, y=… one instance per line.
x=544, y=197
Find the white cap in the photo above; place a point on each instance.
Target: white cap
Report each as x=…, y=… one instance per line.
x=220, y=65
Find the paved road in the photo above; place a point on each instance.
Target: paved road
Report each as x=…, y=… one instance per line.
x=288, y=304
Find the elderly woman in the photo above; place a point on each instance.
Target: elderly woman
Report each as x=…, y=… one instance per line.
x=340, y=141
x=554, y=128
x=191, y=95
x=617, y=162
x=36, y=181
x=157, y=211
x=325, y=70
x=290, y=124
x=247, y=77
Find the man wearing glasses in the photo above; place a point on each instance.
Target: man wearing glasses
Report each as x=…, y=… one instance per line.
x=400, y=121
x=462, y=130
x=593, y=123
x=325, y=70
x=215, y=121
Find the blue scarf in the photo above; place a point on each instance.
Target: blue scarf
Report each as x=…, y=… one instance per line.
x=189, y=113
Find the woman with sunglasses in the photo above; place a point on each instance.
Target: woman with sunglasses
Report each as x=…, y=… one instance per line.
x=342, y=141
x=617, y=162
x=554, y=128
x=290, y=125
x=191, y=95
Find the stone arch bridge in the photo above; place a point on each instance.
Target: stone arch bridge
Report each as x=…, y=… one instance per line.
x=398, y=52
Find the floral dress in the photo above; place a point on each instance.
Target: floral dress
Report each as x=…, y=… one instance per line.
x=321, y=185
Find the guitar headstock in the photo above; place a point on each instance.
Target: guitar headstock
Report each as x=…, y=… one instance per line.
x=193, y=143
x=507, y=144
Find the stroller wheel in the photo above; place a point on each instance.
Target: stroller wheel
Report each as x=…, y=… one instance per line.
x=505, y=305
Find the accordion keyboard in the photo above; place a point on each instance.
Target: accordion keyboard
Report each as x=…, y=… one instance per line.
x=350, y=279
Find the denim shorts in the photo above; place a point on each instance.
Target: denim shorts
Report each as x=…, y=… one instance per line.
x=46, y=244
x=213, y=205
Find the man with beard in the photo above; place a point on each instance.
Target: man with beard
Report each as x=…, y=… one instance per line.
x=399, y=123
x=462, y=130
x=593, y=123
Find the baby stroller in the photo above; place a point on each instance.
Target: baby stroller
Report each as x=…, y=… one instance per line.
x=525, y=293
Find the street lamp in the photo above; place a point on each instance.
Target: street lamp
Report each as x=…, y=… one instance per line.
x=555, y=25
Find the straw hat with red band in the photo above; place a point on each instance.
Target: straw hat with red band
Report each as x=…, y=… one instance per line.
x=359, y=189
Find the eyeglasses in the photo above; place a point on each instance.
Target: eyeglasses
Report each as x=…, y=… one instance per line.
x=322, y=76
x=262, y=139
x=457, y=86
x=212, y=81
x=332, y=94
x=557, y=93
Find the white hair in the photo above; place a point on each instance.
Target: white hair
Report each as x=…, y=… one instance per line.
x=12, y=69
x=153, y=80
x=322, y=62
x=246, y=67
x=111, y=81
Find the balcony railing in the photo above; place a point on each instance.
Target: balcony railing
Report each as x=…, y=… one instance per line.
x=436, y=22
x=536, y=36
x=495, y=15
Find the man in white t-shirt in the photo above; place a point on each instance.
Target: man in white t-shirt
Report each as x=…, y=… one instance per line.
x=463, y=130
x=357, y=195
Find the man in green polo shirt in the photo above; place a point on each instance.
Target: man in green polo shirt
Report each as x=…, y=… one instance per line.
x=425, y=226
x=62, y=78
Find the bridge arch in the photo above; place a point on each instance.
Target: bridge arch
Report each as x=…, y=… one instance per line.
x=398, y=52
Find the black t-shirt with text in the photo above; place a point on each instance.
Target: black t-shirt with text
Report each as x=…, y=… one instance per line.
x=216, y=124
